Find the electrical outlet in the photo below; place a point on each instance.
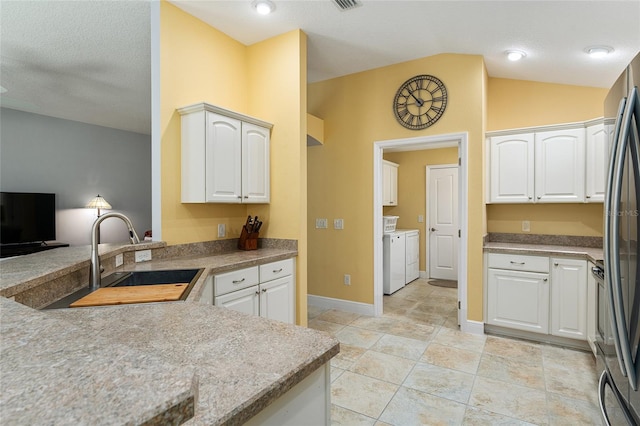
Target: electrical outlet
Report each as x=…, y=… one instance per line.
x=119, y=260
x=347, y=279
x=143, y=255
x=338, y=223
x=321, y=224
x=526, y=226
x=420, y=219
x=222, y=230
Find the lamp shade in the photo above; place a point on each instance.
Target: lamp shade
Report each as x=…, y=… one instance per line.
x=98, y=203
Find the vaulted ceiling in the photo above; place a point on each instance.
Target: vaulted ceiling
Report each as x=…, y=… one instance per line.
x=89, y=61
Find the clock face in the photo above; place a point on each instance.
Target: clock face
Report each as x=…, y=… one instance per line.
x=420, y=102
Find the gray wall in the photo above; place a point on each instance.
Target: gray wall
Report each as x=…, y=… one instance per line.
x=76, y=161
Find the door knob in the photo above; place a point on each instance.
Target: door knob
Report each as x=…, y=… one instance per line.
x=433, y=229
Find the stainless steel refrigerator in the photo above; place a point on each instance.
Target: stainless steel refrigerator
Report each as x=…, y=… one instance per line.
x=619, y=304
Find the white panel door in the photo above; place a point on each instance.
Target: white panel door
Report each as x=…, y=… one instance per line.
x=511, y=169
x=518, y=300
x=597, y=163
x=560, y=166
x=277, y=300
x=223, y=152
x=246, y=300
x=442, y=202
x=569, y=298
x=255, y=164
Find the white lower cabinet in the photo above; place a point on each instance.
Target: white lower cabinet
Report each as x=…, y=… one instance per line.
x=569, y=298
x=266, y=290
x=518, y=300
x=538, y=294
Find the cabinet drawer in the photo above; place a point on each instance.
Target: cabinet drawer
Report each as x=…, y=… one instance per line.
x=519, y=262
x=273, y=270
x=235, y=280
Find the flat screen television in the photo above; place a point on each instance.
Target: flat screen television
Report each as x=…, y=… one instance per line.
x=27, y=217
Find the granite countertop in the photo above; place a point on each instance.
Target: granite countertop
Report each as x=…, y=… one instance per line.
x=149, y=362
x=590, y=253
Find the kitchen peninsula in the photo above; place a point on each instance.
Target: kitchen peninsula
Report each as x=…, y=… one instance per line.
x=155, y=363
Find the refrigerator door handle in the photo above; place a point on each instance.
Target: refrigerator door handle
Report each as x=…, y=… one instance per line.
x=611, y=232
x=618, y=310
x=605, y=380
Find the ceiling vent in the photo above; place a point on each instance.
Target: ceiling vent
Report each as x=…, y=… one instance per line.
x=347, y=4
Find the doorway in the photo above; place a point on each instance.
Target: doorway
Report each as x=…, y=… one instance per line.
x=459, y=140
x=442, y=222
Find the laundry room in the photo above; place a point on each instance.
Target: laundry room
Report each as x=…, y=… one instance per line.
x=420, y=195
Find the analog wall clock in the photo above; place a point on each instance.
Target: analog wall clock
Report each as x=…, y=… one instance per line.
x=420, y=102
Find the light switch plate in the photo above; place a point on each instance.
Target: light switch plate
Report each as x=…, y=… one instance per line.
x=222, y=230
x=420, y=218
x=119, y=260
x=338, y=223
x=321, y=224
x=526, y=226
x=347, y=279
x=143, y=255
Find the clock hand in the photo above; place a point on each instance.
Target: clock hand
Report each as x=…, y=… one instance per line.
x=419, y=102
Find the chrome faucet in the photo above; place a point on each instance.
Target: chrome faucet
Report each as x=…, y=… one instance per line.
x=95, y=271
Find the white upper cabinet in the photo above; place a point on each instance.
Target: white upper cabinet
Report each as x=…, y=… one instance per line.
x=389, y=183
x=225, y=156
x=564, y=163
x=511, y=172
x=560, y=166
x=597, y=163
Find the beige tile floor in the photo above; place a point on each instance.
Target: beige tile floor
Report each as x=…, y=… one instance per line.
x=412, y=366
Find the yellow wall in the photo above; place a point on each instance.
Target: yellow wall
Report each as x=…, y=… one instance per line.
x=412, y=191
x=515, y=103
x=357, y=111
x=266, y=80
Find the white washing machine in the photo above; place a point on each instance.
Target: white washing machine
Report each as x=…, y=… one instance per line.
x=412, y=244
x=394, y=261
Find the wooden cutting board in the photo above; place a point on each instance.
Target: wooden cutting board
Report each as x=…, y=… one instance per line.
x=132, y=294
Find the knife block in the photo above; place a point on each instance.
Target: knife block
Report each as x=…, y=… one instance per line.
x=248, y=240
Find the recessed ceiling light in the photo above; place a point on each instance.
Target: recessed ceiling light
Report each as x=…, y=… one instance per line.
x=598, y=51
x=515, y=55
x=263, y=7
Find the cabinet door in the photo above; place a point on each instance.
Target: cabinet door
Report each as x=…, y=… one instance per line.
x=277, y=300
x=255, y=164
x=223, y=153
x=597, y=163
x=518, y=300
x=246, y=300
x=412, y=243
x=511, y=169
x=560, y=166
x=569, y=298
x=389, y=183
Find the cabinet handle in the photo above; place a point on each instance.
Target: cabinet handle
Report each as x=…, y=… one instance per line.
x=257, y=292
x=539, y=196
x=555, y=263
x=237, y=281
x=530, y=198
x=277, y=271
x=264, y=290
x=239, y=196
x=588, y=196
x=246, y=196
x=545, y=279
x=517, y=263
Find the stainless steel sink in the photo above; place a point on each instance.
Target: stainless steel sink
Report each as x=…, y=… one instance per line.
x=136, y=278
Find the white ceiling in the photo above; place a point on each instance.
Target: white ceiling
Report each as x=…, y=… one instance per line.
x=89, y=60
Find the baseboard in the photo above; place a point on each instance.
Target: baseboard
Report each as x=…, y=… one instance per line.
x=341, y=304
x=423, y=274
x=472, y=327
